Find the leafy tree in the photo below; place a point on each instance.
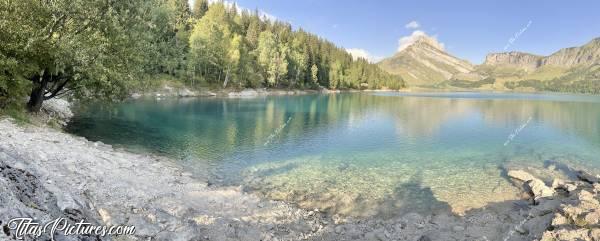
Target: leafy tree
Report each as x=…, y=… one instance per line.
x=107, y=48
x=88, y=47
x=209, y=43
x=272, y=57
x=234, y=56
x=299, y=59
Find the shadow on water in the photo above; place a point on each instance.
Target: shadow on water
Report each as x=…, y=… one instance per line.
x=411, y=196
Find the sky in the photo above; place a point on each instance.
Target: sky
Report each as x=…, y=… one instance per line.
x=466, y=29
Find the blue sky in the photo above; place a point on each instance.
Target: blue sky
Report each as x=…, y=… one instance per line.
x=467, y=29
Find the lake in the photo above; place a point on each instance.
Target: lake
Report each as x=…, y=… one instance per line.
x=360, y=154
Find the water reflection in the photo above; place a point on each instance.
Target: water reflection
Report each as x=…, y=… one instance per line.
x=360, y=154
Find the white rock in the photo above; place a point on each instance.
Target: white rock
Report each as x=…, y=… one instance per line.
x=520, y=175
x=539, y=189
x=58, y=108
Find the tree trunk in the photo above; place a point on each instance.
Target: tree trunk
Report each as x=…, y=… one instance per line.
x=219, y=79
x=297, y=77
x=36, y=98
x=226, y=79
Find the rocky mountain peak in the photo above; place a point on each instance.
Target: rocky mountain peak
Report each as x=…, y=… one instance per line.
x=421, y=60
x=585, y=55
x=516, y=59
x=426, y=42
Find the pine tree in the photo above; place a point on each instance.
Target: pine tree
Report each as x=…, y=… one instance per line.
x=200, y=8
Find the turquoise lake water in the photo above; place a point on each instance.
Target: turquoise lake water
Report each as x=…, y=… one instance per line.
x=361, y=154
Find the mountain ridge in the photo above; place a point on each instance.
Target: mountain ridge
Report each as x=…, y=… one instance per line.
x=424, y=62
x=572, y=69
x=588, y=53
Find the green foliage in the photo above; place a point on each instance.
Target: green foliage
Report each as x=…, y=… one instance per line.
x=314, y=74
x=89, y=48
x=16, y=112
x=13, y=87
x=246, y=50
x=578, y=80
x=200, y=8
x=106, y=49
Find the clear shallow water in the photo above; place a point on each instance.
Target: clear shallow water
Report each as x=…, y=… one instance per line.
x=361, y=154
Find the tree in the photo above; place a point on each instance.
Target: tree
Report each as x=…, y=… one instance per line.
x=272, y=57
x=168, y=36
x=314, y=74
x=209, y=43
x=103, y=48
x=299, y=57
x=234, y=55
x=72, y=45
x=200, y=8
x=253, y=32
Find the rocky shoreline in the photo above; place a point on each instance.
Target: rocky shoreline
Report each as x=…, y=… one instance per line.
x=47, y=174
x=167, y=91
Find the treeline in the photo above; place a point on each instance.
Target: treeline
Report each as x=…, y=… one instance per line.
x=222, y=45
x=105, y=48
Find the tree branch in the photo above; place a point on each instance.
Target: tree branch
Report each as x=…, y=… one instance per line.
x=57, y=89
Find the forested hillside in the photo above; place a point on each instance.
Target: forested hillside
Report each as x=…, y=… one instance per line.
x=106, y=48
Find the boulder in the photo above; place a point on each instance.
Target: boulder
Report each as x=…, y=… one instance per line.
x=521, y=175
x=587, y=177
x=186, y=93
x=59, y=109
x=561, y=184
x=538, y=189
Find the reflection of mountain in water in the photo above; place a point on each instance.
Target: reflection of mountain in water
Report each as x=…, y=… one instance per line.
x=357, y=153
x=211, y=128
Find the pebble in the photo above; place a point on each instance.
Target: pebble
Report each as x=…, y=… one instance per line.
x=521, y=230
x=458, y=228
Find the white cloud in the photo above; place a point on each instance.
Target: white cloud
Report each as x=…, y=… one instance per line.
x=412, y=25
x=361, y=53
x=421, y=36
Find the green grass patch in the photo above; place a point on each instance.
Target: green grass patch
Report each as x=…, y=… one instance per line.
x=16, y=112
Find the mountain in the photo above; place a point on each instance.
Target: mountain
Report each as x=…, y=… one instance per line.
x=425, y=63
x=575, y=69
x=514, y=59
x=569, y=57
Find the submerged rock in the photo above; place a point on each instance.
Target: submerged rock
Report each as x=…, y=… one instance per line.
x=520, y=175
x=533, y=185
x=587, y=177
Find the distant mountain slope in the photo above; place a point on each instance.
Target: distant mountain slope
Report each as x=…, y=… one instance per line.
x=514, y=59
x=587, y=54
x=424, y=63
x=575, y=69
